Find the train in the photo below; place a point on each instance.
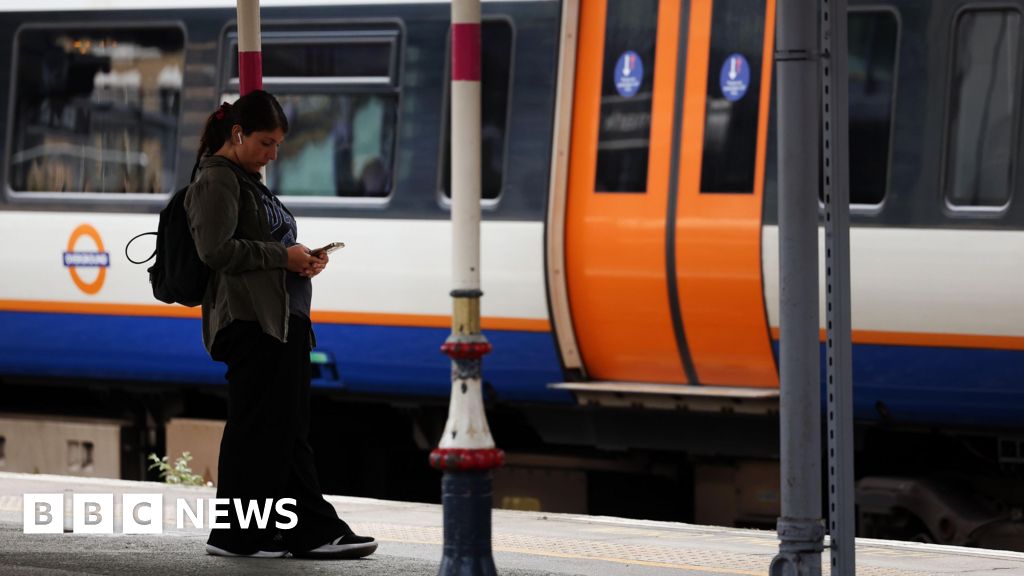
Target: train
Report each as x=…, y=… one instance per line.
x=629, y=243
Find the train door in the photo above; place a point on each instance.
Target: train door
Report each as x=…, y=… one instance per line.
x=618, y=190
x=720, y=195
x=662, y=215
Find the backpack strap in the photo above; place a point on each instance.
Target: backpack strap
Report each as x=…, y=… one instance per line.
x=136, y=237
x=191, y=179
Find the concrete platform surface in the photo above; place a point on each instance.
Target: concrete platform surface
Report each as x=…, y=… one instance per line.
x=410, y=535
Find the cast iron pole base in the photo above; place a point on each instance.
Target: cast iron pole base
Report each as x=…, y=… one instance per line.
x=800, y=549
x=466, y=499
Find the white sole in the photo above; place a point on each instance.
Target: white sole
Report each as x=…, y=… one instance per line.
x=344, y=551
x=215, y=551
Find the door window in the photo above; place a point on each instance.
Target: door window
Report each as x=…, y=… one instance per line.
x=627, y=89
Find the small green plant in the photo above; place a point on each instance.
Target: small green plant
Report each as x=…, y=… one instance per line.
x=179, y=473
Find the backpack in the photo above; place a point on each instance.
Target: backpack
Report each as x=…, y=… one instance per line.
x=178, y=275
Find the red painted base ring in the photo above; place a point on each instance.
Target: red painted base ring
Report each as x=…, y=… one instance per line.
x=466, y=350
x=466, y=459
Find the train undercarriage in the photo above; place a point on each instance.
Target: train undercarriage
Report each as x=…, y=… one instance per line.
x=664, y=459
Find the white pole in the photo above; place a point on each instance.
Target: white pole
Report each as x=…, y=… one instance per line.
x=465, y=155
x=466, y=452
x=467, y=424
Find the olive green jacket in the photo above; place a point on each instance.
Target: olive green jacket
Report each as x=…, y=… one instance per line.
x=232, y=235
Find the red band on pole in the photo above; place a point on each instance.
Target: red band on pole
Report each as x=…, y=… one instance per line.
x=466, y=350
x=466, y=52
x=461, y=459
x=250, y=72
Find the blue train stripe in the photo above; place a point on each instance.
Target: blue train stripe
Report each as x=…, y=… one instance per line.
x=901, y=384
x=378, y=360
x=935, y=385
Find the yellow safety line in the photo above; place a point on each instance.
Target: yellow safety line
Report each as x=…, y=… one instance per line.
x=534, y=552
x=627, y=561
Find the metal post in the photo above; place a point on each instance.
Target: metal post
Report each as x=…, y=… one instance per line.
x=835, y=162
x=466, y=452
x=800, y=527
x=250, y=59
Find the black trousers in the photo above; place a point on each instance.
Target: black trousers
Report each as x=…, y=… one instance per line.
x=265, y=452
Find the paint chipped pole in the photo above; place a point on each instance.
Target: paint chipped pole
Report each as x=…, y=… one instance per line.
x=466, y=453
x=250, y=57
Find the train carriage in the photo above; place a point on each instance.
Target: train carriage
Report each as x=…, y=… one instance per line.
x=629, y=236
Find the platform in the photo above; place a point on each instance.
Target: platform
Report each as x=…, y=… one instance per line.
x=410, y=535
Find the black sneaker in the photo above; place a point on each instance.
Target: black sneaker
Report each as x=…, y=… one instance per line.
x=275, y=548
x=344, y=547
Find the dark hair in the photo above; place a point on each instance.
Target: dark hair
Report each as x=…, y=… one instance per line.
x=256, y=111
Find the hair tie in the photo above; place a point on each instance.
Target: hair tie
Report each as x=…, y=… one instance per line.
x=222, y=110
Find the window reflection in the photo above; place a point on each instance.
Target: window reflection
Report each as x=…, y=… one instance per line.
x=733, y=97
x=337, y=145
x=627, y=86
x=338, y=88
x=871, y=67
x=983, y=108
x=96, y=111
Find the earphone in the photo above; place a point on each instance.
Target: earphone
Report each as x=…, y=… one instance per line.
x=239, y=138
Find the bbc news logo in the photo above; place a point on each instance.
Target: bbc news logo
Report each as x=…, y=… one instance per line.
x=144, y=513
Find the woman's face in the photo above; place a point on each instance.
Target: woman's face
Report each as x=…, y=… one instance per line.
x=258, y=148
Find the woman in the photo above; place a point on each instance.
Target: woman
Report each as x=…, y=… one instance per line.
x=256, y=320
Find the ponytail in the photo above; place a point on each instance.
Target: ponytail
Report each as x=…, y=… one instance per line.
x=216, y=131
x=256, y=111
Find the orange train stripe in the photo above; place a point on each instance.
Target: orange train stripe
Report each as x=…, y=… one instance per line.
x=429, y=321
x=718, y=236
x=935, y=340
x=160, y=310
x=326, y=317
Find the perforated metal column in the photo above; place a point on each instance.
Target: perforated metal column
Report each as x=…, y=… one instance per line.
x=835, y=172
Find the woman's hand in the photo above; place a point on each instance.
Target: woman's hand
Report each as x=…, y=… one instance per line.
x=302, y=262
x=299, y=259
x=320, y=262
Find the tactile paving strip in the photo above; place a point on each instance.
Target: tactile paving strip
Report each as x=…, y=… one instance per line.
x=754, y=561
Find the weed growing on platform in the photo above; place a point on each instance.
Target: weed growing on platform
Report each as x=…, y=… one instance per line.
x=179, y=473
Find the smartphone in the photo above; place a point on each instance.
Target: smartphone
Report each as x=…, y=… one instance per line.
x=328, y=249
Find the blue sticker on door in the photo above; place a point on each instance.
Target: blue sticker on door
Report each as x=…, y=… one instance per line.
x=734, y=77
x=629, y=74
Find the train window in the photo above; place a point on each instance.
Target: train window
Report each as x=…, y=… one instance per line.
x=984, y=90
x=337, y=145
x=343, y=59
x=733, y=96
x=338, y=89
x=627, y=86
x=96, y=110
x=495, y=78
x=871, y=69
